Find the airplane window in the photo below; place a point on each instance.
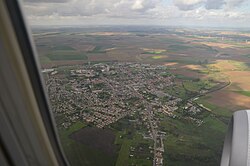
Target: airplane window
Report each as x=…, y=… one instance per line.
x=144, y=82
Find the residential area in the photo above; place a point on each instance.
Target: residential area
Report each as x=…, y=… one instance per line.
x=102, y=94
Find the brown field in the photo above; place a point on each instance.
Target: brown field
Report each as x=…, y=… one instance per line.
x=193, y=67
x=231, y=71
x=229, y=100
x=171, y=64
x=241, y=79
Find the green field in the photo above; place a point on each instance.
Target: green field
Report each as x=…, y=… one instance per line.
x=189, y=145
x=188, y=87
x=128, y=136
x=219, y=111
x=245, y=93
x=196, y=86
x=176, y=48
x=154, y=52
x=123, y=157
x=239, y=65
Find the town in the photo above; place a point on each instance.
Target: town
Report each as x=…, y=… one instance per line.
x=101, y=94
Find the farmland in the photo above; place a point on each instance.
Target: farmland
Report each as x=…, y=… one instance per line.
x=209, y=71
x=75, y=150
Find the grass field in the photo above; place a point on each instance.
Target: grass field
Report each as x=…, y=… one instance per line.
x=127, y=136
x=190, y=145
x=159, y=57
x=153, y=52
x=220, y=111
x=123, y=157
x=245, y=93
x=196, y=86
x=186, y=149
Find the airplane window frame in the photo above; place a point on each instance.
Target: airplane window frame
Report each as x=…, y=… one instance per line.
x=24, y=39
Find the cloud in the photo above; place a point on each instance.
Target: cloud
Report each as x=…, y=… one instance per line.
x=138, y=5
x=176, y=12
x=234, y=3
x=91, y=7
x=188, y=4
x=214, y=4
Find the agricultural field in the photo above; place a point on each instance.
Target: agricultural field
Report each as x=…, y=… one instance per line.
x=79, y=153
x=134, y=150
x=210, y=69
x=117, y=145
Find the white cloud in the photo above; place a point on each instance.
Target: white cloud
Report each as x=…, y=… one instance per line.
x=194, y=4
x=179, y=12
x=188, y=4
x=234, y=3
x=138, y=5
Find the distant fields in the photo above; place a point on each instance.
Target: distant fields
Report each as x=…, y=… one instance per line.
x=62, y=48
x=247, y=55
x=176, y=47
x=66, y=56
x=97, y=49
x=199, y=61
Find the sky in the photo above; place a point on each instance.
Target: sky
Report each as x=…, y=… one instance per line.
x=205, y=13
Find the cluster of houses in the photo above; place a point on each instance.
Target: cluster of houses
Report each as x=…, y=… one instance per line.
x=101, y=94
